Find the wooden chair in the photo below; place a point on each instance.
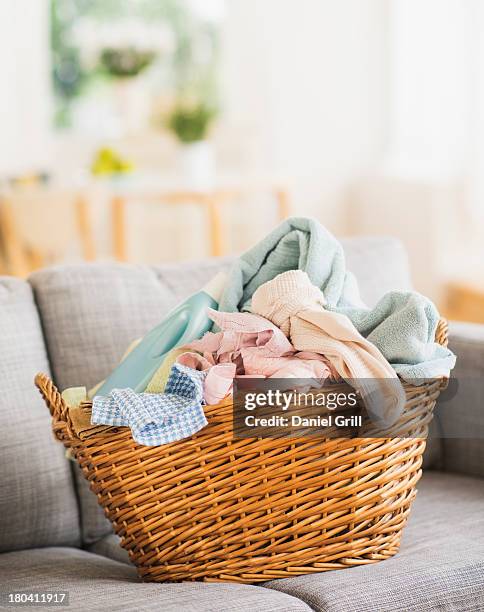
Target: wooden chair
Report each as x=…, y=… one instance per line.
x=39, y=225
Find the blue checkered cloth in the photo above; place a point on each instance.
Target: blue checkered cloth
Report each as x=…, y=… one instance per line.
x=156, y=418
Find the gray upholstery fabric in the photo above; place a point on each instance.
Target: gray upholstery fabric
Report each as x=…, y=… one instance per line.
x=95, y=583
x=462, y=416
x=94, y=524
x=432, y=457
x=185, y=278
x=109, y=546
x=37, y=499
x=440, y=565
x=91, y=312
x=380, y=264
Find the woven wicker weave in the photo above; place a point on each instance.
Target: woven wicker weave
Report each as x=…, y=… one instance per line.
x=211, y=508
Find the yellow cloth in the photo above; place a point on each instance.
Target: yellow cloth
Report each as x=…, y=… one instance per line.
x=74, y=396
x=158, y=383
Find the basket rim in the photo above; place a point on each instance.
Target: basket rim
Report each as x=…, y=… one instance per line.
x=64, y=430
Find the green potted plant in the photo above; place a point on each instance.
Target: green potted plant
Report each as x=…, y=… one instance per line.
x=126, y=62
x=190, y=122
x=124, y=65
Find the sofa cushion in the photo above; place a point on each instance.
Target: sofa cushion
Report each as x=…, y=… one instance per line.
x=379, y=263
x=461, y=410
x=96, y=583
x=37, y=499
x=439, y=567
x=94, y=523
x=110, y=546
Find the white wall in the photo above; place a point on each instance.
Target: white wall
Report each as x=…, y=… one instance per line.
x=308, y=81
x=433, y=59
x=24, y=86
x=428, y=189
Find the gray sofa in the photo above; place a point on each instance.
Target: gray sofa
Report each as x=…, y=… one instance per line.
x=74, y=322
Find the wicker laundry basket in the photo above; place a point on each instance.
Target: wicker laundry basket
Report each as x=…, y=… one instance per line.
x=214, y=509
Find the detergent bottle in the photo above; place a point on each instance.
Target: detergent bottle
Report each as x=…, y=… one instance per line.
x=187, y=322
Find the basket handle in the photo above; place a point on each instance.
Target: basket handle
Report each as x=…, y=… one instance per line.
x=59, y=410
x=442, y=332
x=442, y=338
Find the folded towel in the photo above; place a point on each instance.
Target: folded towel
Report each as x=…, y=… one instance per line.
x=81, y=422
x=156, y=418
x=297, y=307
x=402, y=325
x=81, y=414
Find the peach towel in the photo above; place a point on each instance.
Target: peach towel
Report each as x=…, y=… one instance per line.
x=296, y=306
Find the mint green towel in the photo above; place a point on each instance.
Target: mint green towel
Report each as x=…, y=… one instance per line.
x=402, y=325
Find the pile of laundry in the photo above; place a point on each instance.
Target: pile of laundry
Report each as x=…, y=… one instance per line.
x=289, y=309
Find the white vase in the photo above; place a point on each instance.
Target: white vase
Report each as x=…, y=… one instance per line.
x=197, y=164
x=132, y=104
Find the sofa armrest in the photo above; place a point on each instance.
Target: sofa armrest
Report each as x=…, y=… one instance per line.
x=461, y=410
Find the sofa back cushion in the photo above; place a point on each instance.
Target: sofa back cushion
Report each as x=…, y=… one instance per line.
x=38, y=504
x=379, y=263
x=91, y=312
x=461, y=409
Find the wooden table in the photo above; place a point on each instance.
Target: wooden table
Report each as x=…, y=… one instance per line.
x=211, y=201
x=21, y=258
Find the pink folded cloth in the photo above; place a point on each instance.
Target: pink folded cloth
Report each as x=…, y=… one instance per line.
x=218, y=383
x=258, y=348
x=241, y=331
x=298, y=365
x=219, y=379
x=194, y=361
x=292, y=303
